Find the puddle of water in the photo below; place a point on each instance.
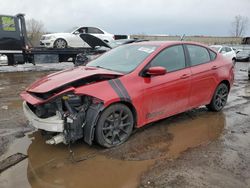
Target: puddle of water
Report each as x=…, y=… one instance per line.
x=198, y=131
x=170, y=137
x=49, y=166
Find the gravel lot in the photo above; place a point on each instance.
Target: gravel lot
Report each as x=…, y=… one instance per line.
x=193, y=149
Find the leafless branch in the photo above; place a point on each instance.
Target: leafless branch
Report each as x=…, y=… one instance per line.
x=239, y=26
x=35, y=29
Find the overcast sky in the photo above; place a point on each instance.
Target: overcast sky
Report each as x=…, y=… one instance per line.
x=174, y=17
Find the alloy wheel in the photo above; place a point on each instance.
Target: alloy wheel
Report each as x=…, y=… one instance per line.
x=117, y=127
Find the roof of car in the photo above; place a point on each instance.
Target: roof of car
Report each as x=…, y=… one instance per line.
x=219, y=46
x=165, y=43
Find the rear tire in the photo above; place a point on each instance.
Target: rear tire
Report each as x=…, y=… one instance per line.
x=114, y=126
x=219, y=99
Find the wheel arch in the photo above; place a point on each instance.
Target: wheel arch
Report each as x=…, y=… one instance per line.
x=227, y=84
x=224, y=82
x=212, y=106
x=132, y=108
x=94, y=115
x=129, y=105
x=62, y=38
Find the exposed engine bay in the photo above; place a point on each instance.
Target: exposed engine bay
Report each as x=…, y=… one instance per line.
x=72, y=109
x=78, y=112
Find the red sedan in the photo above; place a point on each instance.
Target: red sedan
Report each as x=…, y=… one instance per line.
x=126, y=88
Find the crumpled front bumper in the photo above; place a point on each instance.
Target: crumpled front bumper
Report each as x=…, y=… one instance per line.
x=51, y=124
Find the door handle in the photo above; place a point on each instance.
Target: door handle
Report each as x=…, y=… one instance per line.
x=214, y=67
x=184, y=76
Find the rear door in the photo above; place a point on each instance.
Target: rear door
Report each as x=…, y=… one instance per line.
x=203, y=80
x=167, y=94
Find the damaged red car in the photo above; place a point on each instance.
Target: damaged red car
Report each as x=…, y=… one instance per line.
x=127, y=88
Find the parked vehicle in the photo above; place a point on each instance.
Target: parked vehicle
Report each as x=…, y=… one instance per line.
x=126, y=88
x=245, y=40
x=243, y=55
x=116, y=43
x=15, y=45
x=226, y=51
x=65, y=40
x=83, y=58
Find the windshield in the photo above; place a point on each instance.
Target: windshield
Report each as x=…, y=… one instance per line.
x=124, y=58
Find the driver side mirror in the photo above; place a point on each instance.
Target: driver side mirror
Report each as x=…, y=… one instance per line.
x=156, y=71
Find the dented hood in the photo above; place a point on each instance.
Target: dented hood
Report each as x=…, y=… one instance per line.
x=63, y=78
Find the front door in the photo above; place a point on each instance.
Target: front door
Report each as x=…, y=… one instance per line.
x=168, y=94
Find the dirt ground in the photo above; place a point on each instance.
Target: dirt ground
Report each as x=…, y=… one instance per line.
x=197, y=148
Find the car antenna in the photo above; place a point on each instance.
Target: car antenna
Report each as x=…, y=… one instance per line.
x=182, y=37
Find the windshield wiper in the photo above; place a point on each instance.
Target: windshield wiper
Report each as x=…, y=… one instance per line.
x=103, y=67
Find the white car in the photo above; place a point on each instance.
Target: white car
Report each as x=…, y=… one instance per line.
x=226, y=51
x=65, y=40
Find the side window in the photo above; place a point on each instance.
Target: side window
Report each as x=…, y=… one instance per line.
x=223, y=49
x=198, y=55
x=228, y=49
x=94, y=30
x=83, y=30
x=212, y=55
x=171, y=58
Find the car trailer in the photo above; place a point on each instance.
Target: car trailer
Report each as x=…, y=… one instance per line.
x=15, y=45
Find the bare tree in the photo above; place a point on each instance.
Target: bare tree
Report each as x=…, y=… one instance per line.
x=35, y=29
x=239, y=26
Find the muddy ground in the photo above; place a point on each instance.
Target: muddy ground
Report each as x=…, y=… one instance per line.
x=197, y=148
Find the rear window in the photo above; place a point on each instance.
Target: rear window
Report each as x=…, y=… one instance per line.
x=94, y=30
x=198, y=54
x=7, y=23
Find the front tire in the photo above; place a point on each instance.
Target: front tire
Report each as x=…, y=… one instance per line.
x=60, y=43
x=219, y=99
x=114, y=126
